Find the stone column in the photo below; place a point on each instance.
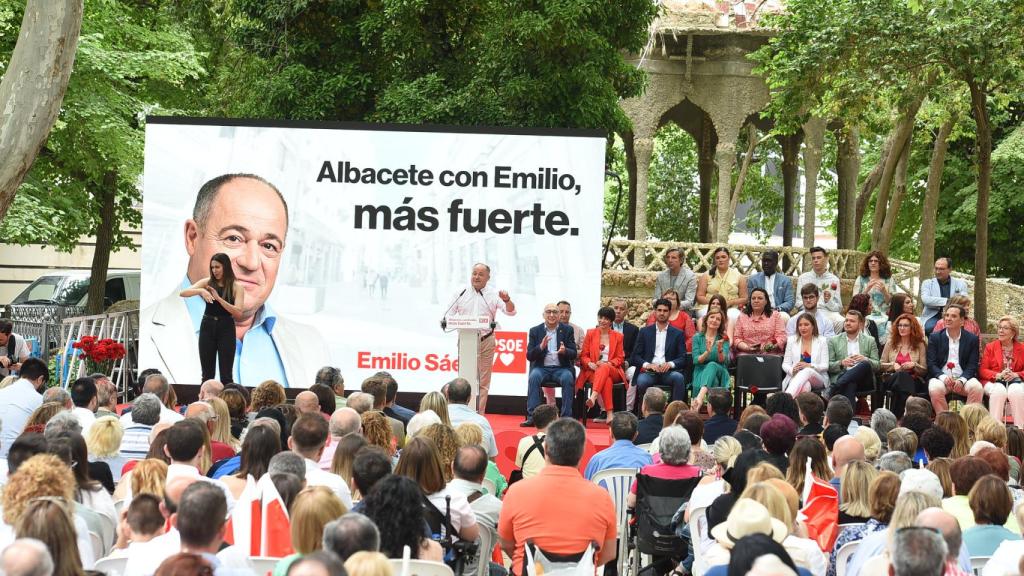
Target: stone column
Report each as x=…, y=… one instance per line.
x=643, y=147
x=706, y=173
x=725, y=156
x=814, y=139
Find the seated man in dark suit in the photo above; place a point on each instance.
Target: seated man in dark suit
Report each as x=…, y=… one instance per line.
x=720, y=424
x=551, y=350
x=629, y=332
x=952, y=359
x=660, y=354
x=650, y=426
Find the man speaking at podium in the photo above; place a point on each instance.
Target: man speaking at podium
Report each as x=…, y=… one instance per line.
x=479, y=299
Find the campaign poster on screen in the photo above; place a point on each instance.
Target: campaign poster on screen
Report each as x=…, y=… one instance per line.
x=351, y=241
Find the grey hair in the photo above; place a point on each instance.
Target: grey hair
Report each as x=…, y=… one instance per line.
x=266, y=421
x=289, y=462
x=895, y=461
x=157, y=384
x=351, y=533
x=882, y=420
x=57, y=394
x=674, y=443
x=62, y=423
x=43, y=561
x=330, y=376
x=208, y=194
x=146, y=409
x=341, y=426
x=922, y=551
x=360, y=402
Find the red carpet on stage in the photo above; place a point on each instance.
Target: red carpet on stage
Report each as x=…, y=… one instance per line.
x=507, y=434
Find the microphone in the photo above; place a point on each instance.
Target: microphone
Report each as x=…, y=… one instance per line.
x=444, y=317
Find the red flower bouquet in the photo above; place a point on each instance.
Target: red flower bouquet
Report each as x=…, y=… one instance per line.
x=99, y=354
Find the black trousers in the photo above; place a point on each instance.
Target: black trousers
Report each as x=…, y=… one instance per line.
x=902, y=385
x=860, y=374
x=217, y=343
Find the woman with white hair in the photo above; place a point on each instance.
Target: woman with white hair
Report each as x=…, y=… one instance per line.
x=674, y=443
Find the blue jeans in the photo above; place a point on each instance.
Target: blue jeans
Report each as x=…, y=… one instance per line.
x=565, y=378
x=675, y=380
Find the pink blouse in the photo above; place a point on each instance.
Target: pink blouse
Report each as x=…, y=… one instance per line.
x=761, y=330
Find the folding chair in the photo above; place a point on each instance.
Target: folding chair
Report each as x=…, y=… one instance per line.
x=617, y=482
x=843, y=557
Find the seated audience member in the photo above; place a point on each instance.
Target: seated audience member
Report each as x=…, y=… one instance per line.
x=104, y=443
x=622, y=453
x=307, y=402
x=237, y=410
x=309, y=435
x=882, y=420
x=903, y=440
x=419, y=460
x=83, y=396
x=558, y=510
x=796, y=471
x=901, y=304
x=1006, y=558
x=956, y=560
x=395, y=505
x=991, y=503
x=809, y=296
x=26, y=557
x=106, y=395
x=157, y=384
x=469, y=434
x=90, y=493
x=936, y=443
x=876, y=282
x=903, y=362
x=18, y=400
x=391, y=407
x=267, y=395
x=470, y=467
x=50, y=522
x=530, y=451
x=59, y=395
x=675, y=455
x=260, y=445
x=144, y=415
x=331, y=377
x=552, y=351
x=313, y=508
x=652, y=409
x=368, y=564
x=953, y=361
x=861, y=303
x=922, y=551
x=965, y=473
x=918, y=424
x=711, y=357
x=446, y=443
x=920, y=480
x=877, y=544
x=853, y=359
x=377, y=387
x=755, y=422
x=760, y=329
x=783, y=503
x=660, y=360
x=139, y=525
x=812, y=410
x=896, y=462
x=377, y=432
x=832, y=433
x=210, y=389
x=747, y=517
x=1001, y=371
x=854, y=487
x=459, y=393
x=871, y=442
x=777, y=287
x=350, y=534
x=318, y=563
x=677, y=317
x=203, y=413
x=759, y=555
x=882, y=496
x=936, y=293
x=839, y=411
x=940, y=467
x=345, y=455
x=199, y=521
x=694, y=426
x=736, y=477
x=722, y=280
x=343, y=421
x=779, y=436
x=806, y=359
x=602, y=358
x=970, y=324
x=781, y=403
x=719, y=424
x=846, y=450
x=924, y=407
x=677, y=276
x=370, y=466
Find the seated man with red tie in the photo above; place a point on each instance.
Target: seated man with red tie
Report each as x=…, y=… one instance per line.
x=601, y=359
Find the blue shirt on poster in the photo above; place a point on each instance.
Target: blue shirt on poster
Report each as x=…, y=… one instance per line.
x=256, y=357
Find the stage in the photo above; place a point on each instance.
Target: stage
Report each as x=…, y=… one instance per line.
x=507, y=434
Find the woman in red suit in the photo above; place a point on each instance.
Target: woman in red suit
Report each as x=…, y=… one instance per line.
x=1002, y=371
x=601, y=359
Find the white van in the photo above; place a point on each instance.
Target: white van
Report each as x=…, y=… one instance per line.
x=72, y=288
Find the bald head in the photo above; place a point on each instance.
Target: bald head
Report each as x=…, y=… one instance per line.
x=202, y=412
x=847, y=449
x=307, y=403
x=26, y=557
x=943, y=522
x=210, y=389
x=345, y=421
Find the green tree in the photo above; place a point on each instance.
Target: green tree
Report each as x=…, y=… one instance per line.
x=132, y=59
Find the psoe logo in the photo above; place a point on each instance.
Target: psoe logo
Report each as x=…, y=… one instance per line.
x=510, y=352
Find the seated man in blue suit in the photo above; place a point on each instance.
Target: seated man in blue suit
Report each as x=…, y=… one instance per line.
x=779, y=286
x=551, y=350
x=660, y=354
x=952, y=359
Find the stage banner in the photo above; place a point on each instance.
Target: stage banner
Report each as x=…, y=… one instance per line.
x=352, y=240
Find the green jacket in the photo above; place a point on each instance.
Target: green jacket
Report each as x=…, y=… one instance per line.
x=837, y=352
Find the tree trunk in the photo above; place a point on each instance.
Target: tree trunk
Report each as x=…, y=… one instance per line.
x=979, y=106
x=752, y=144
x=869, y=186
x=904, y=128
x=107, y=195
x=898, y=191
x=930, y=210
x=847, y=171
x=790, y=182
x=814, y=134
x=33, y=87
x=706, y=172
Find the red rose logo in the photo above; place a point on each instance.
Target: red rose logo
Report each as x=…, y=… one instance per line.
x=601, y=347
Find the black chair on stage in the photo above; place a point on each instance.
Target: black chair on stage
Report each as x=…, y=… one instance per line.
x=757, y=375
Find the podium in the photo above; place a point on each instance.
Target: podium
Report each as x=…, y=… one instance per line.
x=469, y=327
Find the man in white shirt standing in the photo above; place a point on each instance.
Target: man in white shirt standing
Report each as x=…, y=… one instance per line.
x=829, y=287
x=481, y=300
x=19, y=400
x=14, y=349
x=309, y=435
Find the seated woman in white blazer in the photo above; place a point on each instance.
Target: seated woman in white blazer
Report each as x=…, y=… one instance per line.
x=806, y=360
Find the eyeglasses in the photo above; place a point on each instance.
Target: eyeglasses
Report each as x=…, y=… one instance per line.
x=903, y=325
x=551, y=311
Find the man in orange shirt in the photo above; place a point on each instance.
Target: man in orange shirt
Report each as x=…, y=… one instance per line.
x=558, y=509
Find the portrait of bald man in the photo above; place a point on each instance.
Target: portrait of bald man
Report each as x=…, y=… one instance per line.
x=246, y=217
